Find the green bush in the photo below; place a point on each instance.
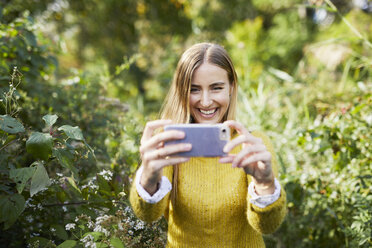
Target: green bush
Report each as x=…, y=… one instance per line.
x=69, y=139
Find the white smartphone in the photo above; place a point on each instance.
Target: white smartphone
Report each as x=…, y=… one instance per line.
x=207, y=140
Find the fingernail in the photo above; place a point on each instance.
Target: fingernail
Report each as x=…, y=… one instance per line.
x=188, y=146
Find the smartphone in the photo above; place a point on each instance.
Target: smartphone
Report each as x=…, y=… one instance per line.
x=207, y=140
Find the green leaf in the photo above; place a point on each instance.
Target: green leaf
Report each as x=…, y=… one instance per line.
x=72, y=132
x=40, y=180
x=90, y=149
x=30, y=38
x=10, y=125
x=65, y=158
x=68, y=244
x=50, y=119
x=116, y=243
x=10, y=208
x=73, y=184
x=101, y=245
x=95, y=235
x=60, y=231
x=21, y=176
x=40, y=145
x=357, y=109
x=103, y=184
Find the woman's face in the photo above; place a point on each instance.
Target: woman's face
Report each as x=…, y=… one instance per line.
x=210, y=94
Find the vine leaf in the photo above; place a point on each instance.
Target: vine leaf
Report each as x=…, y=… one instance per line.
x=72, y=132
x=21, y=176
x=68, y=244
x=10, y=124
x=116, y=243
x=40, y=180
x=50, y=119
x=10, y=208
x=40, y=145
x=65, y=158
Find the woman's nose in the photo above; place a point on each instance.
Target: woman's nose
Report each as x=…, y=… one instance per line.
x=206, y=99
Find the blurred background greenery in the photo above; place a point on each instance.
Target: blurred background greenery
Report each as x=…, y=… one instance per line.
x=305, y=75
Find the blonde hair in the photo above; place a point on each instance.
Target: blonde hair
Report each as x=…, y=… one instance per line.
x=176, y=105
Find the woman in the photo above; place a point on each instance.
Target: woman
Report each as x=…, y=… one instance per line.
x=208, y=202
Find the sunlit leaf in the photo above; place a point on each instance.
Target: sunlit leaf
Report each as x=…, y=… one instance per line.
x=72, y=132
x=50, y=119
x=40, y=180
x=116, y=243
x=73, y=184
x=95, y=235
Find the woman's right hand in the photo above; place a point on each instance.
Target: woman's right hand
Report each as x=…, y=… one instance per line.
x=155, y=156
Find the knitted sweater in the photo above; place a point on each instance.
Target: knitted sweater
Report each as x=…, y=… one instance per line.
x=212, y=207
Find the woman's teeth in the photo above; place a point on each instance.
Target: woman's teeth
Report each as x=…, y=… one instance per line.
x=207, y=112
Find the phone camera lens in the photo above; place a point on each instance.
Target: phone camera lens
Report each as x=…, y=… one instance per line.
x=224, y=130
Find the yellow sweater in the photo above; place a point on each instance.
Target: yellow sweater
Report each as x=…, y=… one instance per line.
x=212, y=207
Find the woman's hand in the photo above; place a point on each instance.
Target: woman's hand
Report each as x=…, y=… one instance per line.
x=154, y=154
x=254, y=158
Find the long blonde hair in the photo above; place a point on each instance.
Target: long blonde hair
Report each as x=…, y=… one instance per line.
x=176, y=105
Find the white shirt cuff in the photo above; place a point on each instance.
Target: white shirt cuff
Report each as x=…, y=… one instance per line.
x=164, y=188
x=263, y=201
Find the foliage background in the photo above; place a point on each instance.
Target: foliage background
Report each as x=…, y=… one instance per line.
x=81, y=78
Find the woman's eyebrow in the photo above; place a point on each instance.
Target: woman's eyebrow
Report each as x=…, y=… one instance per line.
x=213, y=84
x=218, y=84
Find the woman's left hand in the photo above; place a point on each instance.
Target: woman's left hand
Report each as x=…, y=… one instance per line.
x=254, y=158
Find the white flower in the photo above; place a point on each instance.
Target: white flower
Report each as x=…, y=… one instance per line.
x=90, y=224
x=140, y=225
x=88, y=241
x=52, y=229
x=64, y=209
x=100, y=219
x=99, y=228
x=59, y=174
x=29, y=218
x=106, y=174
x=91, y=184
x=70, y=226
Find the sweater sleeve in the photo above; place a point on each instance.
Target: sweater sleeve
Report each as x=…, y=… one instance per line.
x=267, y=220
x=146, y=211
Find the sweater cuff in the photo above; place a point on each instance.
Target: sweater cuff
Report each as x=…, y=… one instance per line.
x=164, y=188
x=263, y=201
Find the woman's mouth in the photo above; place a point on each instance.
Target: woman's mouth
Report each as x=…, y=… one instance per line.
x=208, y=113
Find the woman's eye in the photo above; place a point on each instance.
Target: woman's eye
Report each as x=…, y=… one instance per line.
x=194, y=89
x=217, y=88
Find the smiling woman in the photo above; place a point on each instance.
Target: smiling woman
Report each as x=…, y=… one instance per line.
x=210, y=94
x=208, y=202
